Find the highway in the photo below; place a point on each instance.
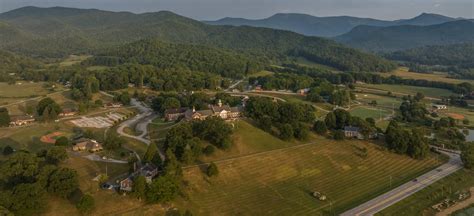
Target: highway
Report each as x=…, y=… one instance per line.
x=386, y=200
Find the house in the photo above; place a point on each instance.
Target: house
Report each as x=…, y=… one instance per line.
x=149, y=171
x=127, y=184
x=440, y=106
x=258, y=88
x=174, y=114
x=21, y=120
x=87, y=145
x=113, y=105
x=67, y=113
x=352, y=132
x=303, y=92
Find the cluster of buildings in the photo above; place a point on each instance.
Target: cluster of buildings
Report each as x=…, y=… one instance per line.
x=223, y=111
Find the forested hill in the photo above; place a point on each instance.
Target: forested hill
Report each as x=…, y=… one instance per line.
x=180, y=56
x=461, y=55
x=408, y=36
x=56, y=32
x=326, y=26
x=11, y=63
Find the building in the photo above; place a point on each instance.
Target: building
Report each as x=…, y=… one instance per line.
x=21, y=120
x=223, y=111
x=149, y=171
x=113, y=105
x=303, y=92
x=175, y=114
x=67, y=113
x=440, y=107
x=352, y=132
x=87, y=145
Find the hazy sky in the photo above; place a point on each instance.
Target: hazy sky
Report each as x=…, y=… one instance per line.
x=215, y=9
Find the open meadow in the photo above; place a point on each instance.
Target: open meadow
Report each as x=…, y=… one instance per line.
x=406, y=90
x=436, y=76
x=280, y=182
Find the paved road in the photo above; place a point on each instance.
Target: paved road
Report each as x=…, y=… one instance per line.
x=94, y=157
x=141, y=122
x=384, y=201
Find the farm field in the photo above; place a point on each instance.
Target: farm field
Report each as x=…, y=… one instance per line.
x=280, y=182
x=384, y=101
x=437, y=76
x=421, y=202
x=411, y=90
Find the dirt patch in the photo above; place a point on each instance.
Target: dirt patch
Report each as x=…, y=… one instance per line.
x=51, y=138
x=455, y=116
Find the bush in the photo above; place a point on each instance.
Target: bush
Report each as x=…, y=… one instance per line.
x=86, y=204
x=62, y=141
x=320, y=127
x=212, y=170
x=465, y=121
x=8, y=150
x=338, y=135
x=209, y=150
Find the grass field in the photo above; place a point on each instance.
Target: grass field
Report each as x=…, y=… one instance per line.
x=411, y=90
x=383, y=101
x=73, y=59
x=421, y=202
x=261, y=73
x=280, y=182
x=370, y=112
x=437, y=76
x=23, y=90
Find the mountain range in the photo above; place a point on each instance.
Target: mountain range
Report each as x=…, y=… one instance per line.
x=57, y=32
x=394, y=38
x=328, y=26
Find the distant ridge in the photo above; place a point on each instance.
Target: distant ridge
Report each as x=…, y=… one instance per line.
x=327, y=26
x=393, y=38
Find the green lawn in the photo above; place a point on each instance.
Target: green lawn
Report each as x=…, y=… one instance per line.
x=421, y=202
x=412, y=90
x=22, y=89
x=370, y=112
x=280, y=182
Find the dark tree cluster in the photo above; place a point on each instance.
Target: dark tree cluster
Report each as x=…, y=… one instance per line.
x=286, y=120
x=413, y=110
x=187, y=141
x=402, y=141
x=4, y=117
x=48, y=110
x=26, y=179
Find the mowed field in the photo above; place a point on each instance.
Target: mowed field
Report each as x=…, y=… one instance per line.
x=280, y=182
x=436, y=76
x=407, y=90
x=420, y=202
x=370, y=112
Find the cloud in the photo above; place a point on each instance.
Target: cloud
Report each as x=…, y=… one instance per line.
x=437, y=5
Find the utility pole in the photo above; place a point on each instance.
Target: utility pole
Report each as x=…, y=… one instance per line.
x=390, y=181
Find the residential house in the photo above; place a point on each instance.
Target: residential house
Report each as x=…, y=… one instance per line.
x=149, y=171
x=21, y=120
x=87, y=145
x=113, y=105
x=352, y=132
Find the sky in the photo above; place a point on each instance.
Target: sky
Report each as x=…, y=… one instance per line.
x=256, y=9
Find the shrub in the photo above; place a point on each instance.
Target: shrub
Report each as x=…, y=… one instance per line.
x=86, y=204
x=338, y=135
x=212, y=170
